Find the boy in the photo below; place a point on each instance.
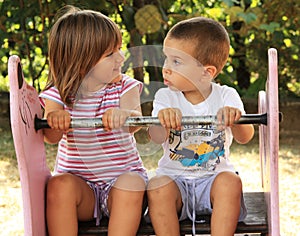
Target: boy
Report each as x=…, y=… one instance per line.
x=194, y=176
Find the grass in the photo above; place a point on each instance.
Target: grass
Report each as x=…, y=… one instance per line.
x=244, y=157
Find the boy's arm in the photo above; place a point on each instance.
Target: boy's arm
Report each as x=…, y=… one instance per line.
x=158, y=134
x=170, y=118
x=227, y=117
x=242, y=133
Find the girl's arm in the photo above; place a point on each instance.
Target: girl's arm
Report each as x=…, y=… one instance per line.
x=130, y=103
x=58, y=119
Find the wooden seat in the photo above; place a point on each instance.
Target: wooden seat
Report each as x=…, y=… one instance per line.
x=255, y=222
x=263, y=207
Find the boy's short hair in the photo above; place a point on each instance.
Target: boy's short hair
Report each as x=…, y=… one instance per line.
x=210, y=38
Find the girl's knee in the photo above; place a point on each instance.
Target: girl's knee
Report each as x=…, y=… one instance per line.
x=130, y=181
x=127, y=192
x=59, y=186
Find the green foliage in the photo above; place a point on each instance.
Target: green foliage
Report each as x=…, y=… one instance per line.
x=6, y=145
x=253, y=26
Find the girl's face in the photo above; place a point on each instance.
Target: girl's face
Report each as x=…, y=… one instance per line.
x=107, y=70
x=181, y=71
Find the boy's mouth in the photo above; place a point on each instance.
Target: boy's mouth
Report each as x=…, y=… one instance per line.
x=167, y=82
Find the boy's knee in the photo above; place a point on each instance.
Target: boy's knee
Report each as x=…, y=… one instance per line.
x=227, y=182
x=228, y=179
x=161, y=188
x=162, y=191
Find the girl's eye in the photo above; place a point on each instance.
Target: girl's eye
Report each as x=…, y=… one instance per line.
x=118, y=50
x=108, y=55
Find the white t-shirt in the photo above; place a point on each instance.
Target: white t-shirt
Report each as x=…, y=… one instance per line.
x=197, y=150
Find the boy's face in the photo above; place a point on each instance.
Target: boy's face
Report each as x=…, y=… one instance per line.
x=181, y=71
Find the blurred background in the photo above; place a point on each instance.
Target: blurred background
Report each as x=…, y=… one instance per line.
x=253, y=26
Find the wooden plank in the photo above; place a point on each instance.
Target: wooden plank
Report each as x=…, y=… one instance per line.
x=255, y=222
x=269, y=143
x=272, y=190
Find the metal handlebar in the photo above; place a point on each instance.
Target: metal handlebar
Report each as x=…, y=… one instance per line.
x=149, y=120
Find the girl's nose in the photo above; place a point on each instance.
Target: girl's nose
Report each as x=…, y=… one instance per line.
x=120, y=57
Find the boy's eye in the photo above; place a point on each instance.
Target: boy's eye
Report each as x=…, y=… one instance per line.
x=176, y=62
x=172, y=61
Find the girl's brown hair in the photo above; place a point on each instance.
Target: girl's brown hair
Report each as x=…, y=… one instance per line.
x=210, y=38
x=77, y=41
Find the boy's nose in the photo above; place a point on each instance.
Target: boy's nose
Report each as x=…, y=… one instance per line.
x=166, y=70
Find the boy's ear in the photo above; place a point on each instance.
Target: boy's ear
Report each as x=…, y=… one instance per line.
x=212, y=70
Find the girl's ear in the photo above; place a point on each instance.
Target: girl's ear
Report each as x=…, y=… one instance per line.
x=212, y=70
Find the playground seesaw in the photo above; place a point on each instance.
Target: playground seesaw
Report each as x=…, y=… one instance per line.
x=26, y=124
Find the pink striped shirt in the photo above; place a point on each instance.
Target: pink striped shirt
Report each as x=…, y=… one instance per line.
x=92, y=153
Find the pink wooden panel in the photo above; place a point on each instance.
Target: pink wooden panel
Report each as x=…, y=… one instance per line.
x=262, y=108
x=29, y=147
x=269, y=144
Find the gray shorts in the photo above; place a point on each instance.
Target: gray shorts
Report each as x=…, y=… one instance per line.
x=195, y=194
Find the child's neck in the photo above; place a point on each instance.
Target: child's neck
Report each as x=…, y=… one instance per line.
x=196, y=97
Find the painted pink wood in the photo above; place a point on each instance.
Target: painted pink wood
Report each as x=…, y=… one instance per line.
x=262, y=109
x=269, y=144
x=30, y=149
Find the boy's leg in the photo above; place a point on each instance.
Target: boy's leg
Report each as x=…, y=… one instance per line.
x=69, y=199
x=125, y=203
x=225, y=195
x=164, y=202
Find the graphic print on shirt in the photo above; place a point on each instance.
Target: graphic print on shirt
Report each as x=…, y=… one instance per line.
x=199, y=146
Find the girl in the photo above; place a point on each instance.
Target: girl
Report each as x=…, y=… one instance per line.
x=98, y=171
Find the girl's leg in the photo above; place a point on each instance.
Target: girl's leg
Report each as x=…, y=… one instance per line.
x=125, y=203
x=164, y=202
x=225, y=195
x=69, y=199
